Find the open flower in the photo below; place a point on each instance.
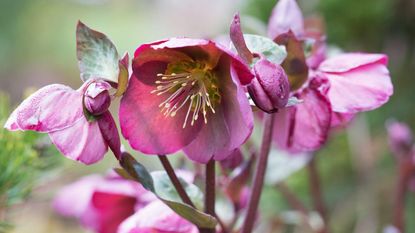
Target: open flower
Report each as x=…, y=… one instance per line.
x=156, y=217
x=186, y=94
x=333, y=90
x=65, y=115
x=102, y=203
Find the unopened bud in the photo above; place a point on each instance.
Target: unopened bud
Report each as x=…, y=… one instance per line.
x=270, y=88
x=97, y=98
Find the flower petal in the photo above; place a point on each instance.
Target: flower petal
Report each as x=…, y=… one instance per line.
x=82, y=142
x=109, y=132
x=53, y=107
x=142, y=124
x=358, y=82
x=286, y=16
x=303, y=127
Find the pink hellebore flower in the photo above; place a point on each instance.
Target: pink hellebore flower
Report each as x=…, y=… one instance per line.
x=156, y=217
x=335, y=90
x=102, y=203
x=186, y=94
x=77, y=121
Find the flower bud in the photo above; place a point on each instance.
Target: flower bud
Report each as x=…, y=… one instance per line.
x=97, y=98
x=400, y=138
x=270, y=88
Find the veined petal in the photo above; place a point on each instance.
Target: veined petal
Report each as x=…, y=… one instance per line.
x=286, y=16
x=358, y=82
x=142, y=124
x=53, y=107
x=303, y=127
x=82, y=141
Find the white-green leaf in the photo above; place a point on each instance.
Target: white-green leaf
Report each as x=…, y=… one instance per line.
x=97, y=55
x=265, y=46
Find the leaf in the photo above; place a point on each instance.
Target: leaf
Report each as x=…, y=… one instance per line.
x=123, y=75
x=265, y=46
x=97, y=55
x=159, y=183
x=281, y=165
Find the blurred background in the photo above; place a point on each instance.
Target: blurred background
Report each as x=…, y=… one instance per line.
x=37, y=47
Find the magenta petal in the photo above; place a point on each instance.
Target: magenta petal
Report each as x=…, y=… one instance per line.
x=82, y=142
x=110, y=133
x=358, y=82
x=238, y=39
x=286, y=16
x=303, y=127
x=339, y=119
x=142, y=124
x=53, y=107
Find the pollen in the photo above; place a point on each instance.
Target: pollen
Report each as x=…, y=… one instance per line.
x=189, y=86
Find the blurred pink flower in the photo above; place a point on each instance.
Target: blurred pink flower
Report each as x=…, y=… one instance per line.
x=336, y=89
x=156, y=217
x=102, y=203
x=400, y=139
x=59, y=111
x=184, y=93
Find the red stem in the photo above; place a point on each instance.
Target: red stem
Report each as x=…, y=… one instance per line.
x=259, y=174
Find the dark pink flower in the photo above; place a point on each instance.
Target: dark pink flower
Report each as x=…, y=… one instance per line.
x=156, y=217
x=186, y=94
x=336, y=88
x=63, y=113
x=102, y=203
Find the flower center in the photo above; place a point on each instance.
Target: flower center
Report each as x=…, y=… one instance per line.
x=188, y=81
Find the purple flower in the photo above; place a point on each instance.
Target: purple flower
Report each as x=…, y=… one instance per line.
x=64, y=114
x=334, y=90
x=186, y=94
x=102, y=203
x=400, y=139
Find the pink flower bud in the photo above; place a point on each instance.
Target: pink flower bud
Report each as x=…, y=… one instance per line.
x=270, y=89
x=400, y=138
x=97, y=98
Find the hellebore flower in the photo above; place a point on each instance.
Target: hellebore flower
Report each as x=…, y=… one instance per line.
x=332, y=89
x=102, y=203
x=186, y=94
x=77, y=121
x=156, y=217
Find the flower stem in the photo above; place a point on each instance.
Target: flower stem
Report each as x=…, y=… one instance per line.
x=405, y=171
x=175, y=180
x=259, y=176
x=210, y=182
x=316, y=194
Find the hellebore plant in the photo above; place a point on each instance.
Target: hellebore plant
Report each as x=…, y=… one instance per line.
x=193, y=95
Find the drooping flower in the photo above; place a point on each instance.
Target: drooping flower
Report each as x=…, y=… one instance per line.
x=78, y=121
x=333, y=90
x=156, y=217
x=102, y=203
x=62, y=112
x=186, y=94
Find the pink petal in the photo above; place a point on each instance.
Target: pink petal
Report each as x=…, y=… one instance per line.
x=82, y=142
x=142, y=124
x=341, y=119
x=73, y=200
x=286, y=16
x=358, y=82
x=303, y=127
x=238, y=39
x=110, y=134
x=233, y=121
x=157, y=217
x=53, y=107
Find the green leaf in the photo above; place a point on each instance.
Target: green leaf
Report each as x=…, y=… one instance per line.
x=160, y=184
x=281, y=165
x=292, y=101
x=97, y=55
x=265, y=46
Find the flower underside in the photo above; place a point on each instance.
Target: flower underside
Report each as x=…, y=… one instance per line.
x=192, y=82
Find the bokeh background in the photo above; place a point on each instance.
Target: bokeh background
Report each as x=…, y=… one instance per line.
x=37, y=47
